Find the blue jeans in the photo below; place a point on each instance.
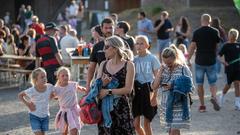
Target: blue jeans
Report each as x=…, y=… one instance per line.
x=162, y=44
x=39, y=124
x=210, y=72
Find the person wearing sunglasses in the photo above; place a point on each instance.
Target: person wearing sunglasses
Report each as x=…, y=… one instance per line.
x=119, y=66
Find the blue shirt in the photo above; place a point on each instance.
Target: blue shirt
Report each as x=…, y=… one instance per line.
x=145, y=66
x=145, y=24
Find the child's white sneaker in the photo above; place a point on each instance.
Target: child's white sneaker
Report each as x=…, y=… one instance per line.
x=221, y=100
x=237, y=104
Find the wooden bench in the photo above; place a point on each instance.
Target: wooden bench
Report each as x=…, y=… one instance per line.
x=10, y=65
x=22, y=79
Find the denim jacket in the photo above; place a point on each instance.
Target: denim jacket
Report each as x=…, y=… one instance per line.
x=107, y=102
x=179, y=94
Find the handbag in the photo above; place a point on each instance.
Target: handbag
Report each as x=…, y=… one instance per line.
x=89, y=113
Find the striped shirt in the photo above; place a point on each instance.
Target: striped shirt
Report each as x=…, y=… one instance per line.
x=46, y=48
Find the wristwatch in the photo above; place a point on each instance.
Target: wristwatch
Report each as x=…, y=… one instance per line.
x=109, y=92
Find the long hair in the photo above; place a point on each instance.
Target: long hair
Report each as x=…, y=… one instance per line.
x=118, y=43
x=173, y=52
x=185, y=24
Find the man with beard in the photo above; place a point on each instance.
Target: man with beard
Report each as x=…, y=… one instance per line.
x=97, y=55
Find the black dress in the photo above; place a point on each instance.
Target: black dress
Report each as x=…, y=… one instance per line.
x=122, y=120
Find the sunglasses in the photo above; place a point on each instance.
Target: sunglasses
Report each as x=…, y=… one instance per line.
x=106, y=47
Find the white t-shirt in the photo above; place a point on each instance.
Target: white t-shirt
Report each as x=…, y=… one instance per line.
x=40, y=100
x=67, y=41
x=73, y=10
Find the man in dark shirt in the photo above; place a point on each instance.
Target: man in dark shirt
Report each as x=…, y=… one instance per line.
x=46, y=48
x=205, y=41
x=121, y=30
x=163, y=27
x=98, y=55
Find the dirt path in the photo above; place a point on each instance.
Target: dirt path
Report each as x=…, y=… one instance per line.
x=14, y=117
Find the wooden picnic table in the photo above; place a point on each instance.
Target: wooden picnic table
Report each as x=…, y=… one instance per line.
x=77, y=60
x=17, y=57
x=8, y=67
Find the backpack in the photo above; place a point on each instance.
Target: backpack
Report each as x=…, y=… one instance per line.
x=89, y=113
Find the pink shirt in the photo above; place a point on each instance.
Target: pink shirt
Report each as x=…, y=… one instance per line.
x=68, y=102
x=67, y=96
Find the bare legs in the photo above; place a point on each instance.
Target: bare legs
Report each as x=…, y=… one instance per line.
x=201, y=94
x=147, y=130
x=174, y=132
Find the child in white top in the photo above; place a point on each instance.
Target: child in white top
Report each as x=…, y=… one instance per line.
x=67, y=119
x=38, y=103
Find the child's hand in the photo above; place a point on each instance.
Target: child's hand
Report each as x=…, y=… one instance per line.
x=53, y=95
x=82, y=89
x=102, y=93
x=31, y=106
x=106, y=79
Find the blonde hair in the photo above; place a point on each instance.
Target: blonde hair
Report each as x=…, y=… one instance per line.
x=118, y=43
x=35, y=74
x=144, y=38
x=165, y=14
x=60, y=70
x=206, y=18
x=233, y=32
x=184, y=48
x=173, y=52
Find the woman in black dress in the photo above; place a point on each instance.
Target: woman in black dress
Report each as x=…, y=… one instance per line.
x=118, y=66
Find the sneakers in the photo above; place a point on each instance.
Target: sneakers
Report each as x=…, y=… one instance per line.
x=237, y=104
x=202, y=108
x=221, y=100
x=216, y=107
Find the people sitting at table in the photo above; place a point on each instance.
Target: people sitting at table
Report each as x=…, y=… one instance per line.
x=32, y=34
x=24, y=50
x=11, y=46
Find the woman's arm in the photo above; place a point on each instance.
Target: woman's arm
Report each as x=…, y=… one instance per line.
x=153, y=95
x=156, y=83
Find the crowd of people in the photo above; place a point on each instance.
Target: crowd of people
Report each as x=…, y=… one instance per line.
x=116, y=55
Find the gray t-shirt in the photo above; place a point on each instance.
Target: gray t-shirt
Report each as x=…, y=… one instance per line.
x=40, y=100
x=145, y=66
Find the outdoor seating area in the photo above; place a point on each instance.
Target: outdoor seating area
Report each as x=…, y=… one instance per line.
x=12, y=73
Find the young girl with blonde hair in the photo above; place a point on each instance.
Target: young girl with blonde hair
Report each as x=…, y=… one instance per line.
x=38, y=103
x=67, y=119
